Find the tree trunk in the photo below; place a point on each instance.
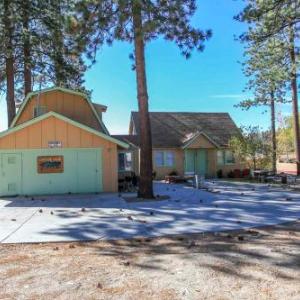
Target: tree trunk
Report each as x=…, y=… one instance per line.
x=26, y=49
x=9, y=63
x=273, y=130
x=58, y=46
x=294, y=96
x=145, y=184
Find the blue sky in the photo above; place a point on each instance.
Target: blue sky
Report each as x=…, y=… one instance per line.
x=211, y=81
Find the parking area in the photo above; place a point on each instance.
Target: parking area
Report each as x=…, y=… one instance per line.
x=222, y=206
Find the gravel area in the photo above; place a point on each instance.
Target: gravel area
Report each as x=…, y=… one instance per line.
x=252, y=264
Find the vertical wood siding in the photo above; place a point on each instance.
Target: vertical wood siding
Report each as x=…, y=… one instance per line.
x=72, y=106
x=38, y=135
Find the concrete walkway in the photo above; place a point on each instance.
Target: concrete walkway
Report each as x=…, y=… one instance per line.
x=106, y=216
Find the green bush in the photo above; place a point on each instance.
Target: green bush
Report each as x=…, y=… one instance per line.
x=220, y=173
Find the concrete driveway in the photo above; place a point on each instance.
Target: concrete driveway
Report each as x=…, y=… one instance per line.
x=225, y=206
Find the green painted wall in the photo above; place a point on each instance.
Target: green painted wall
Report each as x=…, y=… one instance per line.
x=82, y=172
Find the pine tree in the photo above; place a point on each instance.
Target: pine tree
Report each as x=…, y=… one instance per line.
x=268, y=77
x=26, y=38
x=62, y=46
x=39, y=38
x=278, y=19
x=7, y=54
x=139, y=22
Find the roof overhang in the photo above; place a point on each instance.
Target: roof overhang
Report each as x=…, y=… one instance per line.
x=100, y=107
x=67, y=120
x=64, y=90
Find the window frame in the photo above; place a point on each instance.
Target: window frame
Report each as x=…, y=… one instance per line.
x=39, y=110
x=124, y=156
x=165, y=159
x=224, y=160
x=220, y=155
x=159, y=165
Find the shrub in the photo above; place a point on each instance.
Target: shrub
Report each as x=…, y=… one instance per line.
x=173, y=173
x=246, y=173
x=237, y=173
x=230, y=174
x=220, y=173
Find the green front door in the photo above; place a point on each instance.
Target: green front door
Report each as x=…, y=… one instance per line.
x=196, y=161
x=201, y=158
x=190, y=166
x=11, y=174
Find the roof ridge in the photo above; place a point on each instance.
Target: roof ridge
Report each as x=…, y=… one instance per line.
x=183, y=112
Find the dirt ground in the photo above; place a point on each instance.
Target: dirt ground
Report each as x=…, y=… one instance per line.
x=256, y=264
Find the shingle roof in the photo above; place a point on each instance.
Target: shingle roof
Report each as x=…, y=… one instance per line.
x=129, y=139
x=173, y=129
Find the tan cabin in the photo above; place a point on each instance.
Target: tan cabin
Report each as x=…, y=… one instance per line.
x=184, y=143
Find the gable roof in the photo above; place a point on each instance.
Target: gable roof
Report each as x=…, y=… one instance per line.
x=67, y=120
x=63, y=90
x=194, y=138
x=175, y=129
x=132, y=140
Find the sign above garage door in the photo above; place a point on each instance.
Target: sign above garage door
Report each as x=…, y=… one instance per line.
x=54, y=144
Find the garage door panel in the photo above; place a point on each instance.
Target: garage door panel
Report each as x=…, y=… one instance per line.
x=87, y=171
x=82, y=172
x=10, y=173
x=36, y=183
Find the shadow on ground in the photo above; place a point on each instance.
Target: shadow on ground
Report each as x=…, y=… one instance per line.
x=109, y=217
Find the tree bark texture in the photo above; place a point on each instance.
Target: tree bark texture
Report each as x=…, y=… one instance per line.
x=145, y=182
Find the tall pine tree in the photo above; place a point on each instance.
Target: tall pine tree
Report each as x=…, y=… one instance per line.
x=39, y=38
x=138, y=22
x=268, y=75
x=278, y=19
x=7, y=54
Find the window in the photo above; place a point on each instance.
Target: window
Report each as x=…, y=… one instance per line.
x=169, y=159
x=225, y=157
x=229, y=157
x=125, y=161
x=50, y=164
x=39, y=110
x=220, y=158
x=164, y=158
x=159, y=158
